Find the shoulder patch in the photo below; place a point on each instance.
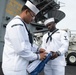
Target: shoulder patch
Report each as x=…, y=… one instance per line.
x=16, y=25
x=65, y=37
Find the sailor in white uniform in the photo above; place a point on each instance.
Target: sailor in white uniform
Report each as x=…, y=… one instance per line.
x=18, y=43
x=57, y=42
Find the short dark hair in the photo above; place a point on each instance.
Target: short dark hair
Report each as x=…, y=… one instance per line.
x=24, y=8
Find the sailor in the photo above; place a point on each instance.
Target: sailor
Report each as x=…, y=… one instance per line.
x=57, y=42
x=18, y=46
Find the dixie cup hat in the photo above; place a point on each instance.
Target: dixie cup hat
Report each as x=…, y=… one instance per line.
x=49, y=21
x=32, y=7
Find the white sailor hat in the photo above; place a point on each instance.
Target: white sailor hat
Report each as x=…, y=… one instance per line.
x=49, y=21
x=32, y=7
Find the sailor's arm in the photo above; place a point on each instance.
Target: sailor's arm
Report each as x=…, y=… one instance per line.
x=21, y=44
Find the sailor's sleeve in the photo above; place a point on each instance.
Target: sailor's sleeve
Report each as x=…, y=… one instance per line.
x=21, y=44
x=64, y=43
x=35, y=48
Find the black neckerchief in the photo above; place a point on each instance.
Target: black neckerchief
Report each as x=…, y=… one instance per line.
x=50, y=36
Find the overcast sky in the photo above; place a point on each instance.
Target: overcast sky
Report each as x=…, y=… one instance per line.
x=69, y=7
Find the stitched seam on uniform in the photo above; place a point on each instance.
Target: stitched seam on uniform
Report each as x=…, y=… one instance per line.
x=16, y=25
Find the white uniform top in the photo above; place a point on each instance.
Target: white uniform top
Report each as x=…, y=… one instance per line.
x=17, y=49
x=60, y=43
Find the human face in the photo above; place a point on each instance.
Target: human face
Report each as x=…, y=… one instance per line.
x=28, y=16
x=32, y=15
x=51, y=26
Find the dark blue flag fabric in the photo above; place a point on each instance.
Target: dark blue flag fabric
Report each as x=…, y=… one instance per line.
x=37, y=66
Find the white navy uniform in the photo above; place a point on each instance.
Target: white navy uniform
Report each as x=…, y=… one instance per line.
x=59, y=42
x=17, y=49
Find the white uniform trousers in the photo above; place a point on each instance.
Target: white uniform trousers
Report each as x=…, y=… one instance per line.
x=10, y=72
x=54, y=70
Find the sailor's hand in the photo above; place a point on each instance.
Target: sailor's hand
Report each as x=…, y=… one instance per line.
x=43, y=55
x=41, y=50
x=54, y=55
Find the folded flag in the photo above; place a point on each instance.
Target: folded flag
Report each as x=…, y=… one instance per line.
x=37, y=66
